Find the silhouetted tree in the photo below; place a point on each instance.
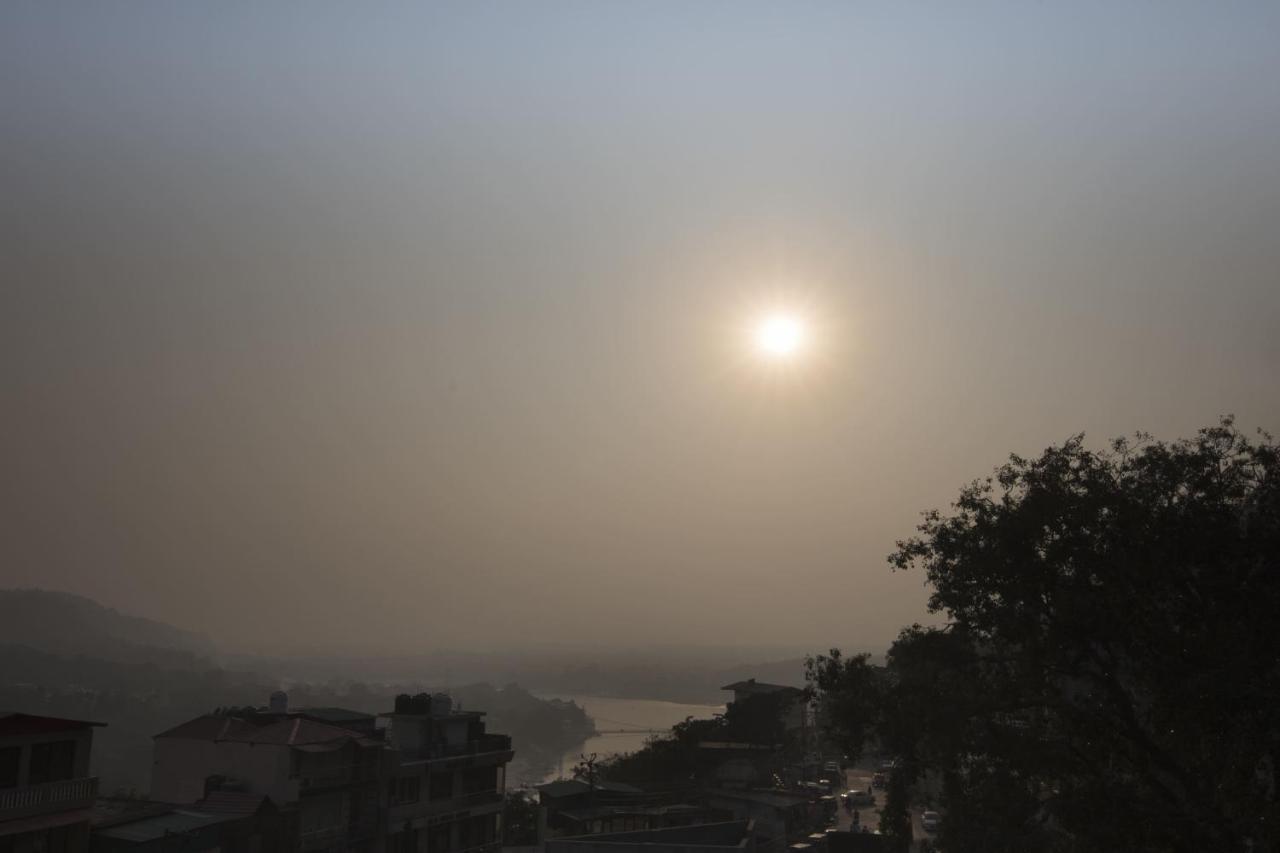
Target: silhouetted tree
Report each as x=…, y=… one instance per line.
x=519, y=820
x=1109, y=675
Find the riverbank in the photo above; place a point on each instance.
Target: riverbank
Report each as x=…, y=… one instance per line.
x=622, y=726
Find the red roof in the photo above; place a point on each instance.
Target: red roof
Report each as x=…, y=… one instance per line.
x=208, y=727
x=293, y=732
x=290, y=731
x=16, y=723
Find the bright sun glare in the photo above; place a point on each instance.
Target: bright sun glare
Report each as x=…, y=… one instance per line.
x=779, y=336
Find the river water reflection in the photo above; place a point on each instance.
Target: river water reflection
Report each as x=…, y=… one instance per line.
x=613, y=715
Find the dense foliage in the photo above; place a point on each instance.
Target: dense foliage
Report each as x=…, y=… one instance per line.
x=676, y=760
x=519, y=820
x=1109, y=674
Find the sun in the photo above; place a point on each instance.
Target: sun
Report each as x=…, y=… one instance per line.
x=779, y=336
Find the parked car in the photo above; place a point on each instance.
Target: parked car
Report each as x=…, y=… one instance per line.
x=930, y=821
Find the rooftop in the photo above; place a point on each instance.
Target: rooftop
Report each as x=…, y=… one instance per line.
x=753, y=686
x=337, y=716
x=571, y=787
x=615, y=811
x=237, y=803
x=282, y=730
x=158, y=826
x=776, y=799
x=18, y=723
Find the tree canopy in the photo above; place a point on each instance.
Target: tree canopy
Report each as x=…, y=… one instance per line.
x=1108, y=675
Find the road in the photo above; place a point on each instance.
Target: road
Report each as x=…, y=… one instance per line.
x=859, y=778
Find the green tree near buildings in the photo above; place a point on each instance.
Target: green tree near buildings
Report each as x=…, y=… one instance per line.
x=519, y=820
x=1108, y=675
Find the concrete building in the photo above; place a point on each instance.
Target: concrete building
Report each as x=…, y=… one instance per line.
x=46, y=792
x=446, y=779
x=797, y=713
x=728, y=837
x=324, y=776
x=425, y=777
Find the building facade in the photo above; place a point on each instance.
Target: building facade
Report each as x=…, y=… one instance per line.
x=46, y=792
x=425, y=777
x=447, y=778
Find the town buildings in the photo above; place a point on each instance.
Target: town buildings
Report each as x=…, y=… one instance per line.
x=424, y=776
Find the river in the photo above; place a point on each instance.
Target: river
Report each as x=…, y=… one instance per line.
x=612, y=715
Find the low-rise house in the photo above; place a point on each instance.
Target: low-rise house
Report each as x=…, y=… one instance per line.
x=424, y=776
x=46, y=792
x=568, y=796
x=224, y=822
x=326, y=775
x=795, y=710
x=779, y=817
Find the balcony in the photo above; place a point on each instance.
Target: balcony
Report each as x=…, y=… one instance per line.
x=463, y=802
x=324, y=838
x=485, y=745
x=66, y=795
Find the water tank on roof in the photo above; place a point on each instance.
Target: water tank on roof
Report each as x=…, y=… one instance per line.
x=441, y=705
x=421, y=704
x=279, y=703
x=404, y=703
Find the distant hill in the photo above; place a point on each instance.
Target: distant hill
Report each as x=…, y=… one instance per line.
x=66, y=624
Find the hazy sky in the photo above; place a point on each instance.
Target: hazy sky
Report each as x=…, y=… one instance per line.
x=421, y=325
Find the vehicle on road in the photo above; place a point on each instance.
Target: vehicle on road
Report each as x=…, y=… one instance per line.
x=930, y=821
x=859, y=797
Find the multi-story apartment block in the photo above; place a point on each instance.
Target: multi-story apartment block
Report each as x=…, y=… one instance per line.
x=447, y=778
x=46, y=792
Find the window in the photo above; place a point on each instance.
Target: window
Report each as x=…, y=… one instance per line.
x=479, y=779
x=403, y=842
x=441, y=786
x=52, y=762
x=57, y=840
x=10, y=758
x=404, y=789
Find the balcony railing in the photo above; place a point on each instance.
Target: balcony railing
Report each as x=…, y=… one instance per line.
x=464, y=801
x=479, y=746
x=481, y=848
x=51, y=796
